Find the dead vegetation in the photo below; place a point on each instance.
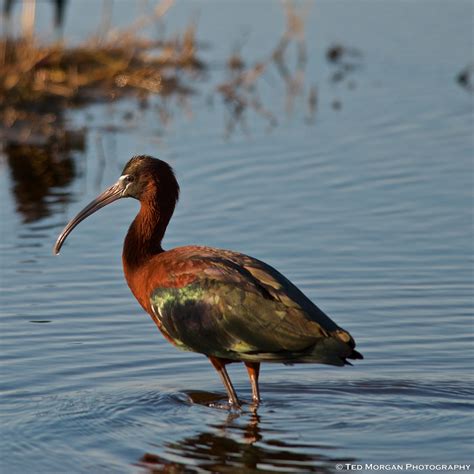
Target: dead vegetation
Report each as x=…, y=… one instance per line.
x=38, y=82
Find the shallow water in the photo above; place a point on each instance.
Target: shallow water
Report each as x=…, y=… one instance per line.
x=368, y=209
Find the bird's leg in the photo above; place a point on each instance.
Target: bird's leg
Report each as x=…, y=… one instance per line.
x=253, y=369
x=219, y=365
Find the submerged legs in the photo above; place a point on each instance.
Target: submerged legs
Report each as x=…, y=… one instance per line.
x=219, y=365
x=253, y=369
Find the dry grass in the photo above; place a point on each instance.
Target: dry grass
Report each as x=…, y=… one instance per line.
x=37, y=82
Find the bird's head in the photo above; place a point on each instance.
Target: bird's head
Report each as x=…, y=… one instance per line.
x=145, y=178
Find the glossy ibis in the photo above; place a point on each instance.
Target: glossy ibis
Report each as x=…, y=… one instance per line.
x=223, y=304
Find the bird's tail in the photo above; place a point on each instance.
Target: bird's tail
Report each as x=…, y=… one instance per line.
x=333, y=350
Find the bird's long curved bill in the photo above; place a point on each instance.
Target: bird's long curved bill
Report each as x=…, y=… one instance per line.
x=108, y=196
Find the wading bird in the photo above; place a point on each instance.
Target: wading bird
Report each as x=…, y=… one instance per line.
x=223, y=304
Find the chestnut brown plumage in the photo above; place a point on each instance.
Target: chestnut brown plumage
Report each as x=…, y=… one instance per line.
x=223, y=304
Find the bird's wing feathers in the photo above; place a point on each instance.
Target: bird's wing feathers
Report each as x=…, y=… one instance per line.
x=235, y=306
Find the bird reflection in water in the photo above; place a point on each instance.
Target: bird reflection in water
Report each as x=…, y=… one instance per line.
x=237, y=445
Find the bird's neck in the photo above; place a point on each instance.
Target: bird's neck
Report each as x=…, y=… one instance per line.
x=145, y=235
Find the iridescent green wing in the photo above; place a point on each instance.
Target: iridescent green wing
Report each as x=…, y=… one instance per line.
x=240, y=308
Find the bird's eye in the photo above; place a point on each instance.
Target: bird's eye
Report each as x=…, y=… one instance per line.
x=130, y=178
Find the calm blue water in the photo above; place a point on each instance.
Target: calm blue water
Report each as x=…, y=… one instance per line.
x=367, y=208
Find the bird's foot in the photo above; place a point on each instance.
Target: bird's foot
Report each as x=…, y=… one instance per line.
x=235, y=404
